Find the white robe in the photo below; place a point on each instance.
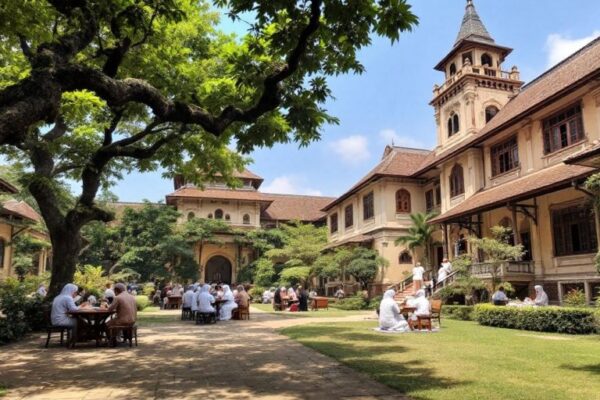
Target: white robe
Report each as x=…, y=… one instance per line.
x=390, y=318
x=62, y=305
x=442, y=274
x=421, y=304
x=229, y=305
x=188, y=299
x=205, y=300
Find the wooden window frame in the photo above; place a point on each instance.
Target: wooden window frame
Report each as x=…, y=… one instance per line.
x=505, y=156
x=218, y=212
x=348, y=216
x=457, y=181
x=406, y=260
x=368, y=201
x=429, y=200
x=563, y=129
x=246, y=219
x=573, y=226
x=333, y=223
x=403, y=201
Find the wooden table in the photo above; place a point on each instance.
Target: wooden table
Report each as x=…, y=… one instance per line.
x=406, y=310
x=174, y=302
x=319, y=302
x=91, y=324
x=217, y=304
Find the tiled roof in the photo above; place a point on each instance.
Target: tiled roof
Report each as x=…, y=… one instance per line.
x=472, y=27
x=21, y=209
x=354, y=239
x=535, y=184
x=396, y=161
x=564, y=77
x=285, y=207
x=221, y=194
x=7, y=187
x=245, y=174
x=589, y=156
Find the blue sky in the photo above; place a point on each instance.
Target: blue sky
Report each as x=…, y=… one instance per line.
x=390, y=100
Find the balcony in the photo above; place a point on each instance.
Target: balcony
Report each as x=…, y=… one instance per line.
x=506, y=270
x=490, y=76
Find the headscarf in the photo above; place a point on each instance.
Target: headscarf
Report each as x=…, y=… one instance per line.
x=421, y=303
x=420, y=293
x=205, y=288
x=227, y=294
x=68, y=290
x=389, y=294
x=541, y=298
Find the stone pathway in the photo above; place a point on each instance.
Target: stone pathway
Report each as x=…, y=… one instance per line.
x=180, y=360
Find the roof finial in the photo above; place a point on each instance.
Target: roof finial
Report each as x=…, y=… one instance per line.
x=469, y=3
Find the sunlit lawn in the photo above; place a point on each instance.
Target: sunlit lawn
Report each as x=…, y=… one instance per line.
x=154, y=315
x=464, y=360
x=331, y=313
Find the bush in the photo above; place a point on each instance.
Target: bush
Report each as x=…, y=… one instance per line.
x=462, y=313
x=148, y=289
x=575, y=298
x=357, y=302
x=19, y=313
x=542, y=319
x=141, y=302
x=375, y=302
x=256, y=293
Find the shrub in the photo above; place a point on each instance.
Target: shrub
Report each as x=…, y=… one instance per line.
x=256, y=293
x=542, y=319
x=19, y=313
x=357, y=302
x=575, y=298
x=148, y=289
x=463, y=313
x=375, y=302
x=141, y=302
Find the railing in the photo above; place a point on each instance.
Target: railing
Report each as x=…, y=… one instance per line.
x=502, y=268
x=402, y=285
x=449, y=279
x=512, y=75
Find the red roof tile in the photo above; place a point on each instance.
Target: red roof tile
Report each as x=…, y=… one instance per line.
x=221, y=194
x=6, y=186
x=21, y=209
x=286, y=207
x=535, y=184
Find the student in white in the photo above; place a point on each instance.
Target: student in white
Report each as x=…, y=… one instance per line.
x=418, y=272
x=390, y=318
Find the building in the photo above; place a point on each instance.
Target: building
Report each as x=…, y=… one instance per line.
x=244, y=208
x=499, y=160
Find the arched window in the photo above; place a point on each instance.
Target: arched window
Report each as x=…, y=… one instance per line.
x=402, y=201
x=190, y=216
x=486, y=59
x=490, y=112
x=405, y=258
x=246, y=219
x=227, y=217
x=457, y=182
x=210, y=216
x=452, y=69
x=218, y=213
x=453, y=124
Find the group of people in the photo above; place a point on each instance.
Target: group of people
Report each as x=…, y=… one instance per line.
x=71, y=299
x=390, y=317
x=442, y=273
x=294, y=299
x=203, y=298
x=500, y=298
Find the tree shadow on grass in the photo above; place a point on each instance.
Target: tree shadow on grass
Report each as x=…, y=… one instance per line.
x=592, y=368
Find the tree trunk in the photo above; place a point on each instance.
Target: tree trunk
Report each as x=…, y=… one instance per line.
x=65, y=248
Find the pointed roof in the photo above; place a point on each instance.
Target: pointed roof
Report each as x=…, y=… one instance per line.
x=472, y=28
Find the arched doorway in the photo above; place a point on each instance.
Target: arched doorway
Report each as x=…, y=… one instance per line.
x=218, y=269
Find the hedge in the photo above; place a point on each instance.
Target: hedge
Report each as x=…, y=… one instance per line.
x=542, y=319
x=463, y=313
x=142, y=302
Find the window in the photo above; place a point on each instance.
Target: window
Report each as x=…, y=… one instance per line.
x=457, y=182
x=2, y=249
x=246, y=219
x=486, y=59
x=227, y=217
x=505, y=156
x=402, y=201
x=438, y=195
x=574, y=231
x=348, y=216
x=218, y=214
x=405, y=258
x=452, y=69
x=453, y=124
x=429, y=200
x=467, y=56
x=490, y=112
x=190, y=216
x=368, y=206
x=333, y=223
x=210, y=216
x=563, y=129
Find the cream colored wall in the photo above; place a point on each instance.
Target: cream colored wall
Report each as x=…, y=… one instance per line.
x=5, y=234
x=236, y=210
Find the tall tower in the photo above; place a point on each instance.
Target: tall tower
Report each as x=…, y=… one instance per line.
x=475, y=86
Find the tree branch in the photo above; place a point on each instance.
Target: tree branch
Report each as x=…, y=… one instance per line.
x=108, y=132
x=59, y=129
x=25, y=48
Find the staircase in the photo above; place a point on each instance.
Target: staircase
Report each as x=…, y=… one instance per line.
x=401, y=295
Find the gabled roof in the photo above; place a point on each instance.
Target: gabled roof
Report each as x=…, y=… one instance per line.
x=20, y=209
x=287, y=207
x=245, y=174
x=396, y=162
x=220, y=194
x=472, y=27
x=7, y=187
x=566, y=77
x=535, y=184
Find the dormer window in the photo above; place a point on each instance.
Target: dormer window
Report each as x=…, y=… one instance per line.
x=490, y=112
x=452, y=69
x=453, y=124
x=457, y=181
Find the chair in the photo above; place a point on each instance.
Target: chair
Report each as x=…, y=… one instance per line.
x=205, y=318
x=436, y=310
x=129, y=334
x=424, y=321
x=50, y=329
x=243, y=313
x=186, y=314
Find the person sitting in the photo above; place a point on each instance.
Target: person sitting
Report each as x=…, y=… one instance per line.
x=41, y=291
x=284, y=298
x=303, y=300
x=266, y=296
x=339, y=294
x=541, y=298
x=390, y=318
x=242, y=298
x=188, y=299
x=292, y=296
x=156, y=298
x=422, y=308
x=125, y=307
x=91, y=300
x=277, y=300
x=109, y=294
x=312, y=293
x=499, y=298
x=205, y=301
x=62, y=305
x=228, y=305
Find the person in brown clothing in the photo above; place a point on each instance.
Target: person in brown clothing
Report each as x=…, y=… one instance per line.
x=124, y=305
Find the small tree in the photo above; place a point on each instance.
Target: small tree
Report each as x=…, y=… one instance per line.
x=498, y=250
x=364, y=265
x=419, y=235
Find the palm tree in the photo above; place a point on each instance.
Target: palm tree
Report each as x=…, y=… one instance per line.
x=419, y=235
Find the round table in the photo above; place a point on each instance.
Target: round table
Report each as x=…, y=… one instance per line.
x=91, y=324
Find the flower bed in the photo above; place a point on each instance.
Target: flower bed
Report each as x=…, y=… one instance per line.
x=542, y=319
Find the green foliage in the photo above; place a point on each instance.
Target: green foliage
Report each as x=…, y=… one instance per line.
x=462, y=313
x=419, y=234
x=357, y=302
x=265, y=272
x=364, y=265
x=141, y=302
x=294, y=276
x=463, y=287
x=91, y=279
x=26, y=246
x=256, y=292
x=148, y=289
x=575, y=298
x=19, y=313
x=542, y=319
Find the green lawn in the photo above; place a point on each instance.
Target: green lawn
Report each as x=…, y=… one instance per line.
x=153, y=315
x=331, y=313
x=464, y=360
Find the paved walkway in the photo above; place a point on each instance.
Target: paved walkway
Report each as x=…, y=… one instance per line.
x=178, y=360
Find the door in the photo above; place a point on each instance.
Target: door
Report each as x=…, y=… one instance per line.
x=218, y=270
x=526, y=242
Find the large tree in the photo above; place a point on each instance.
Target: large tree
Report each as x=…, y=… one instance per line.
x=90, y=89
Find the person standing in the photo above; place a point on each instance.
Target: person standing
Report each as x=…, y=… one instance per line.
x=418, y=272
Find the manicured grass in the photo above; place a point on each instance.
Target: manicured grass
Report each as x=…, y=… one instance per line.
x=464, y=360
x=153, y=315
x=331, y=313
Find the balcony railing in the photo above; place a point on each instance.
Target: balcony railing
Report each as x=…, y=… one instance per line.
x=502, y=269
x=485, y=71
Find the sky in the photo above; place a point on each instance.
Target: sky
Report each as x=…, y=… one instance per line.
x=390, y=101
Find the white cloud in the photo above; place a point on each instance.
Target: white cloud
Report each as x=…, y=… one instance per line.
x=560, y=47
x=390, y=136
x=290, y=184
x=352, y=149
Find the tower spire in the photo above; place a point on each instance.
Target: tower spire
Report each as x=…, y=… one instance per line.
x=472, y=28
